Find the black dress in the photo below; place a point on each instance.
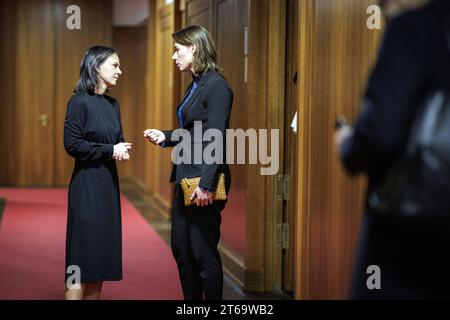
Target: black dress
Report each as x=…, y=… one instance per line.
x=94, y=231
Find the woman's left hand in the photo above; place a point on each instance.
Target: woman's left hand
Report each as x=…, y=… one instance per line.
x=202, y=198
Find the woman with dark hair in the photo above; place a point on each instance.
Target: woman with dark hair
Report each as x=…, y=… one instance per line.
x=206, y=105
x=93, y=136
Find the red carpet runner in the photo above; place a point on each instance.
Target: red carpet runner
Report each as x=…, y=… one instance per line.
x=32, y=249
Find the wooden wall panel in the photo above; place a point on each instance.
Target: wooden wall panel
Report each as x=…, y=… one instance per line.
x=44, y=59
x=166, y=103
x=230, y=23
x=200, y=12
x=71, y=45
x=140, y=108
x=257, y=239
x=290, y=153
x=29, y=85
x=336, y=55
x=131, y=42
x=160, y=101
x=8, y=74
x=151, y=92
x=34, y=104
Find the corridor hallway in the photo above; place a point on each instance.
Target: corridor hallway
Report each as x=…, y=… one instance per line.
x=293, y=67
x=32, y=251
x=140, y=200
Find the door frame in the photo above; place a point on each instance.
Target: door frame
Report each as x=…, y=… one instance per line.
x=266, y=104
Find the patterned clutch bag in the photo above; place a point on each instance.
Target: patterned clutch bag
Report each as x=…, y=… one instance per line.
x=190, y=184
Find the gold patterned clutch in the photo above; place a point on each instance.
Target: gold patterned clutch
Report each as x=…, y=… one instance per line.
x=190, y=184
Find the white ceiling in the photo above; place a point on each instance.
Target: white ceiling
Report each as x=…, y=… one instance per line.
x=129, y=12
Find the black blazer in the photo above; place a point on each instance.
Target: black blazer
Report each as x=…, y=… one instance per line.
x=211, y=105
x=413, y=59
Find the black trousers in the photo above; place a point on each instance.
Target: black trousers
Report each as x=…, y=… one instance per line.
x=194, y=239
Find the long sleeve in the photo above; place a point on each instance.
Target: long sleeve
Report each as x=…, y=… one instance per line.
x=219, y=108
x=74, y=140
x=121, y=137
x=168, y=142
x=397, y=82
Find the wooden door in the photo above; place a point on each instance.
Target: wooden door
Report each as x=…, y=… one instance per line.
x=290, y=148
x=42, y=65
x=70, y=47
x=199, y=12
x=227, y=22
x=7, y=81
x=335, y=58
x=131, y=43
x=230, y=25
x=27, y=88
x=164, y=99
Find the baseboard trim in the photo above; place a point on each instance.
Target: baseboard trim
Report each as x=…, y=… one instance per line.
x=161, y=205
x=233, y=264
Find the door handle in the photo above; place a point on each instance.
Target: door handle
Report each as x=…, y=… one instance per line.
x=43, y=118
x=245, y=54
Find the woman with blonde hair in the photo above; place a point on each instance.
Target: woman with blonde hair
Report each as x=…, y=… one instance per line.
x=206, y=105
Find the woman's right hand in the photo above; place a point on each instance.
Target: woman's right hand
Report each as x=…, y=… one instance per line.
x=121, y=151
x=154, y=136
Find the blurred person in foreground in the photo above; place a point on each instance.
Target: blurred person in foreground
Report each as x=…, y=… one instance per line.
x=414, y=58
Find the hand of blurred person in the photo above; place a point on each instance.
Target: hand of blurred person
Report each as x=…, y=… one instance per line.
x=342, y=133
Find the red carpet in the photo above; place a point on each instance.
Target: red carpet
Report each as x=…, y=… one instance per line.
x=32, y=249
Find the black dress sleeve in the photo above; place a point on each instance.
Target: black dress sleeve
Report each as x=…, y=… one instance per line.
x=74, y=141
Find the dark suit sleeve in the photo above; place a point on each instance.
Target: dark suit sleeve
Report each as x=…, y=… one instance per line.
x=218, y=103
x=74, y=141
x=168, y=142
x=403, y=64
